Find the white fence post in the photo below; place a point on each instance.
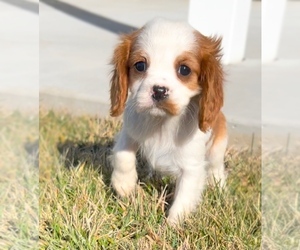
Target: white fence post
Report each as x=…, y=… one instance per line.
x=226, y=18
x=272, y=20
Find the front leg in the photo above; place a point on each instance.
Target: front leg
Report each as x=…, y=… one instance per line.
x=189, y=187
x=216, y=169
x=124, y=176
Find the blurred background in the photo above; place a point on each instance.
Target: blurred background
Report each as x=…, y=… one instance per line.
x=19, y=124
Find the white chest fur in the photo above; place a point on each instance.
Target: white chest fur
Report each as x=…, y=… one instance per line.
x=169, y=144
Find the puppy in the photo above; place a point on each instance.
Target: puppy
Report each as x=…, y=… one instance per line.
x=168, y=82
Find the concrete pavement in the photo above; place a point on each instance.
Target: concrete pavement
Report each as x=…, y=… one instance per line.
x=19, y=55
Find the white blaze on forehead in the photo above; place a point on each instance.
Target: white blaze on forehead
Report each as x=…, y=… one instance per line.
x=161, y=38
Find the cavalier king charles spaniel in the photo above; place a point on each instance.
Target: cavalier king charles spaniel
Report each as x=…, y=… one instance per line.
x=168, y=82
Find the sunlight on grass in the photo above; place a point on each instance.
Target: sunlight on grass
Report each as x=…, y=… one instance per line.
x=78, y=209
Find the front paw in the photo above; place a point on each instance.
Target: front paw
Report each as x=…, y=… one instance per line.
x=175, y=215
x=124, y=184
x=173, y=220
x=218, y=179
x=181, y=209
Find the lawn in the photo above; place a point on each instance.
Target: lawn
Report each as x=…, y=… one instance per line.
x=281, y=201
x=62, y=199
x=78, y=209
x=19, y=181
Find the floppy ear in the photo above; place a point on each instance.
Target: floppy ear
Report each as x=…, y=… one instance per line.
x=120, y=79
x=210, y=80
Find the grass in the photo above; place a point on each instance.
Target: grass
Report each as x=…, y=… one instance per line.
x=281, y=201
x=78, y=209
x=73, y=207
x=19, y=185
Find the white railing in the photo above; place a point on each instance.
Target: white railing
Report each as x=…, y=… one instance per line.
x=230, y=19
x=272, y=20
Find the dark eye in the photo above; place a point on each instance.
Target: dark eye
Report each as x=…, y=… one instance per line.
x=184, y=70
x=140, y=66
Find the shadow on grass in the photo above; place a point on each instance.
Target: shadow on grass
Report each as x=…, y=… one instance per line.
x=32, y=149
x=97, y=155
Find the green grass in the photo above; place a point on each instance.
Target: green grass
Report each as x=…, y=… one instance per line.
x=78, y=209
x=19, y=184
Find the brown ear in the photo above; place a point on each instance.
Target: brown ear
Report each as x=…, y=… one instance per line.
x=120, y=79
x=211, y=81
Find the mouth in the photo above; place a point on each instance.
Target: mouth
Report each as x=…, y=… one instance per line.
x=168, y=106
x=159, y=108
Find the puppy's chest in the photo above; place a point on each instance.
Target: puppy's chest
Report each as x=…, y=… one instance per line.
x=162, y=154
x=162, y=157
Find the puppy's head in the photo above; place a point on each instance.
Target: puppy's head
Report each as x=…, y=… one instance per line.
x=164, y=65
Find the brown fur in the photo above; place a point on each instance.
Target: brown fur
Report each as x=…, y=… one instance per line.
x=189, y=59
x=169, y=107
x=219, y=130
x=137, y=56
x=210, y=80
x=120, y=78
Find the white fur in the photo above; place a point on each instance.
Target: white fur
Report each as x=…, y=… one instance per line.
x=216, y=168
x=171, y=144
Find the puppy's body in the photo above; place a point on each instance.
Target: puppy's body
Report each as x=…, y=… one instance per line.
x=173, y=113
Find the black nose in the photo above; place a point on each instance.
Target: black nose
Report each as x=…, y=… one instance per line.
x=159, y=93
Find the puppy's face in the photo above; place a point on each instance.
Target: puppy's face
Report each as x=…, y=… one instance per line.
x=164, y=65
x=163, y=68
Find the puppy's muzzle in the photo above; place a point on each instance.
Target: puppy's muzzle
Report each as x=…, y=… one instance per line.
x=159, y=93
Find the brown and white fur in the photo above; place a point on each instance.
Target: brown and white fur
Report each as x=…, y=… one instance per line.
x=168, y=82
